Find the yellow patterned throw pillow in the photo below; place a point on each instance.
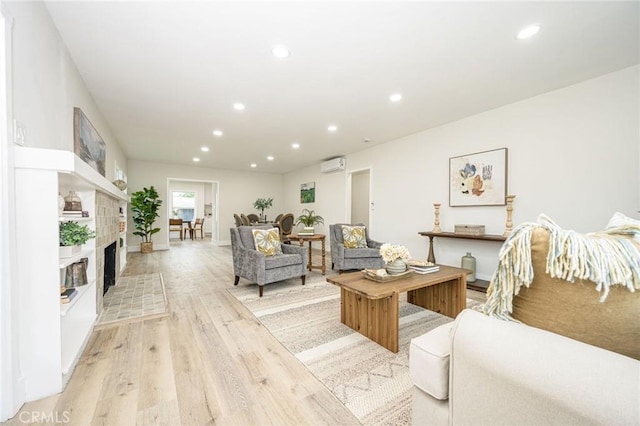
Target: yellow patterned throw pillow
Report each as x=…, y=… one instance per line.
x=354, y=236
x=267, y=241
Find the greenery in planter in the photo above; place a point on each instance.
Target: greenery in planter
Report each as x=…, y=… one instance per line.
x=144, y=206
x=262, y=204
x=309, y=218
x=74, y=234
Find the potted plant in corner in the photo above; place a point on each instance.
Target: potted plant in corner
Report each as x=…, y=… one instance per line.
x=308, y=218
x=262, y=204
x=72, y=236
x=144, y=206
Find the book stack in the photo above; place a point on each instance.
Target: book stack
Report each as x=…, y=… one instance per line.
x=67, y=295
x=422, y=267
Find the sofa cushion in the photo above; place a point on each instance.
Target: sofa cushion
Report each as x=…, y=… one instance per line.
x=362, y=252
x=354, y=236
x=267, y=241
x=272, y=262
x=574, y=309
x=429, y=361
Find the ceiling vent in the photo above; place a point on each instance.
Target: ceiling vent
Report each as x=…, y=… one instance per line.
x=333, y=165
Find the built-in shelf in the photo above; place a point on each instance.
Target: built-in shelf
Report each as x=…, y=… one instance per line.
x=66, y=307
x=74, y=218
x=66, y=261
x=52, y=333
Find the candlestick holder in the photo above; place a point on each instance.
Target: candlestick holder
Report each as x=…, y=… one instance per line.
x=509, y=224
x=436, y=223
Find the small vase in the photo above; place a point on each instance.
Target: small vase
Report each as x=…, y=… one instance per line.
x=396, y=267
x=469, y=262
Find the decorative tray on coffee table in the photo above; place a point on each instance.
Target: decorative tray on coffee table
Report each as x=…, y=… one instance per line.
x=373, y=276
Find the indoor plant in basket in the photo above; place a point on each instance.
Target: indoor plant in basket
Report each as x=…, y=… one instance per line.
x=72, y=236
x=144, y=206
x=262, y=204
x=309, y=218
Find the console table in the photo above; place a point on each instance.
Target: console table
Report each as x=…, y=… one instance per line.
x=480, y=285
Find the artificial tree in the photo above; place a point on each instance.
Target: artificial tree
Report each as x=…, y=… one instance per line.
x=262, y=204
x=144, y=206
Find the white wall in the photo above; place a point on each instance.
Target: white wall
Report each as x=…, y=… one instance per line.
x=47, y=86
x=237, y=192
x=573, y=154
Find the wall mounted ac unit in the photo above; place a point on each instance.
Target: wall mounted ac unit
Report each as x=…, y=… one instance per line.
x=333, y=165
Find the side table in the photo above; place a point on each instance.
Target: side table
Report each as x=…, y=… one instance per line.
x=310, y=239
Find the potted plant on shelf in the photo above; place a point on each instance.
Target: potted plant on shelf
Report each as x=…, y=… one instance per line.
x=144, y=206
x=262, y=204
x=72, y=236
x=309, y=218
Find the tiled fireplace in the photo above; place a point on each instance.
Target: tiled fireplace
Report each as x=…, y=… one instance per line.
x=107, y=233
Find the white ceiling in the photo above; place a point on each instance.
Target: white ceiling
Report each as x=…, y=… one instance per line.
x=165, y=74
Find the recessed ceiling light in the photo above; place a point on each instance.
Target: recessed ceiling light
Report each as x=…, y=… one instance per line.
x=196, y=159
x=270, y=158
x=254, y=165
x=238, y=106
x=295, y=145
x=396, y=97
x=204, y=149
x=217, y=132
x=332, y=128
x=528, y=31
x=280, y=52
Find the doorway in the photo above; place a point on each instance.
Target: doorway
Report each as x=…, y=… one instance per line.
x=191, y=199
x=360, y=189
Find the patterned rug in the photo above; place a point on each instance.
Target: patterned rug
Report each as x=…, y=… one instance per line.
x=372, y=382
x=134, y=298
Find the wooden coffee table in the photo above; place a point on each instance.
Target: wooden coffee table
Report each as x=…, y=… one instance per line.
x=371, y=308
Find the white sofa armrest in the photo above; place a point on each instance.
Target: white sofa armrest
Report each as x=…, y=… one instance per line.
x=508, y=373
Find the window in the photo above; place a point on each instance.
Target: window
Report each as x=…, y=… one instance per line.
x=183, y=205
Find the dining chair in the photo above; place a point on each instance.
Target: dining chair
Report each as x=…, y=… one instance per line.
x=237, y=219
x=286, y=227
x=245, y=219
x=198, y=226
x=175, y=225
x=277, y=219
x=253, y=218
x=187, y=228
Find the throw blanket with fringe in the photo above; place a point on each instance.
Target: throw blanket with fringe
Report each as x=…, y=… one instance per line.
x=598, y=257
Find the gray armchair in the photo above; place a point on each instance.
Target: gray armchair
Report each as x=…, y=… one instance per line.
x=353, y=258
x=254, y=266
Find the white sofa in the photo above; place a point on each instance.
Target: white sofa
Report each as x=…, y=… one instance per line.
x=577, y=361
x=506, y=373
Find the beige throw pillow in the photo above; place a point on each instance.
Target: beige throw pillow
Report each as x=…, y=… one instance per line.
x=267, y=241
x=354, y=236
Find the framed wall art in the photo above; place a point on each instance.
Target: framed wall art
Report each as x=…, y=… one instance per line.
x=478, y=179
x=87, y=143
x=308, y=192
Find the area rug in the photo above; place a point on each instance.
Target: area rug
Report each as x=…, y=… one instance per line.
x=372, y=382
x=134, y=298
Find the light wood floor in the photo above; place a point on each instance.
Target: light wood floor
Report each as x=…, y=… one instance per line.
x=209, y=362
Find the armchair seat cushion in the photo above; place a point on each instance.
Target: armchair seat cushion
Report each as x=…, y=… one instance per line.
x=429, y=356
x=361, y=252
x=278, y=261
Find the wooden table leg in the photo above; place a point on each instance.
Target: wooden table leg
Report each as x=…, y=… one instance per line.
x=309, y=265
x=376, y=319
x=447, y=298
x=324, y=267
x=432, y=257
